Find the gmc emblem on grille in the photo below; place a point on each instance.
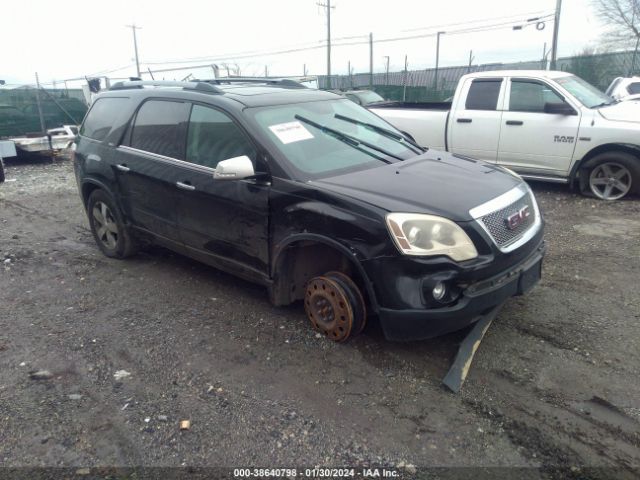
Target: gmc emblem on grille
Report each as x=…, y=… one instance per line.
x=513, y=221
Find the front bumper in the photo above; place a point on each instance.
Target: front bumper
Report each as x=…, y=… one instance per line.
x=476, y=300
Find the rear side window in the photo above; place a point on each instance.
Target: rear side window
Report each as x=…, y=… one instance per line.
x=634, y=88
x=483, y=94
x=160, y=127
x=214, y=137
x=101, y=117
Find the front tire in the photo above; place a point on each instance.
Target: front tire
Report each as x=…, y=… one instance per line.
x=335, y=307
x=108, y=228
x=612, y=176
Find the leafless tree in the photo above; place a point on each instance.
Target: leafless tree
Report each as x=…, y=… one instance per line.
x=622, y=17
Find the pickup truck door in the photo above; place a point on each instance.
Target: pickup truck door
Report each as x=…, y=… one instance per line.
x=475, y=120
x=531, y=140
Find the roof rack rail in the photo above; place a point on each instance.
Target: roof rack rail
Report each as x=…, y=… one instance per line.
x=197, y=85
x=283, y=82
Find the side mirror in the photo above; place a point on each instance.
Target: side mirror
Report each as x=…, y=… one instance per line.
x=559, y=108
x=235, y=168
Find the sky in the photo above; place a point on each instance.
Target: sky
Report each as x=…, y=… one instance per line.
x=75, y=38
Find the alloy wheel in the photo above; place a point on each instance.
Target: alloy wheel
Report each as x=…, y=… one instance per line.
x=610, y=181
x=105, y=225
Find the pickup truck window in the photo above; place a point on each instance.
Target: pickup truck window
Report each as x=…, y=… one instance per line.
x=586, y=93
x=531, y=96
x=483, y=94
x=214, y=137
x=315, y=153
x=160, y=127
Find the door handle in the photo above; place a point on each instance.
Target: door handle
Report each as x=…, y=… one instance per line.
x=185, y=186
x=122, y=167
x=464, y=120
x=93, y=157
x=514, y=122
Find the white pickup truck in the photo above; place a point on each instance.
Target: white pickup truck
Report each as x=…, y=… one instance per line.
x=545, y=125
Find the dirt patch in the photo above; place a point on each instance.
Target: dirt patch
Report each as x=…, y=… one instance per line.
x=260, y=389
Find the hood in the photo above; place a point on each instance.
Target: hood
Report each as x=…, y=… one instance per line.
x=627, y=111
x=436, y=183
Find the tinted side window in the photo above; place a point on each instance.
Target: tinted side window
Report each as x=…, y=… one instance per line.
x=634, y=88
x=100, y=119
x=160, y=127
x=214, y=137
x=483, y=95
x=529, y=96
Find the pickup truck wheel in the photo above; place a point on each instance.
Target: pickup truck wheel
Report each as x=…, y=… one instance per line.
x=109, y=231
x=613, y=176
x=334, y=307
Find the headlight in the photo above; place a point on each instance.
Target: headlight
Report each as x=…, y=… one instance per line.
x=418, y=234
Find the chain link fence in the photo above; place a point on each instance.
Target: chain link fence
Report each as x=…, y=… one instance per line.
x=421, y=86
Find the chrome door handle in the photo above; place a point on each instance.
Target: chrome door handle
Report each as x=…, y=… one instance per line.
x=185, y=186
x=122, y=167
x=93, y=157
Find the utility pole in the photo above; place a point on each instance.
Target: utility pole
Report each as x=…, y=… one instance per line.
x=328, y=7
x=404, y=79
x=556, y=27
x=370, y=60
x=386, y=70
x=349, y=72
x=42, y=125
x=471, y=57
x=435, y=73
x=266, y=72
x=304, y=70
x=133, y=28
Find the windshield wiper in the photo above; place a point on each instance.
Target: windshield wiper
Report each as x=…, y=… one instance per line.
x=354, y=142
x=384, y=132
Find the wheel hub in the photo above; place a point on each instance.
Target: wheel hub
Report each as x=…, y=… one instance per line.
x=328, y=308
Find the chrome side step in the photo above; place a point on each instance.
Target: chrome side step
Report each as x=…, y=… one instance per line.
x=544, y=178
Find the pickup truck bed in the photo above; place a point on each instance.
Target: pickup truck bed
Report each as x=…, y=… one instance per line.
x=425, y=121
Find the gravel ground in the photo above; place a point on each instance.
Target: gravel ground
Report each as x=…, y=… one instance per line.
x=553, y=386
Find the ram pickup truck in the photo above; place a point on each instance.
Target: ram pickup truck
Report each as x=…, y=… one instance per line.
x=544, y=125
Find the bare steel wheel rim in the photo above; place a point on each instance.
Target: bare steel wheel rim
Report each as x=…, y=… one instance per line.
x=328, y=308
x=105, y=225
x=610, y=181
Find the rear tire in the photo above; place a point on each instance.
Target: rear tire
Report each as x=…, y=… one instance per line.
x=611, y=176
x=335, y=306
x=107, y=225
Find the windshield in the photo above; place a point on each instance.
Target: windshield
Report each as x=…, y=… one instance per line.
x=586, y=93
x=317, y=144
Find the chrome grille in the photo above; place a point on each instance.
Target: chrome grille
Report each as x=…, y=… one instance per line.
x=496, y=222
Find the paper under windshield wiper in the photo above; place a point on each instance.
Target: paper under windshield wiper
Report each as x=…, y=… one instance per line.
x=354, y=142
x=384, y=132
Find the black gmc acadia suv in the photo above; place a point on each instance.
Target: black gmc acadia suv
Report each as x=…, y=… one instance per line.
x=313, y=197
